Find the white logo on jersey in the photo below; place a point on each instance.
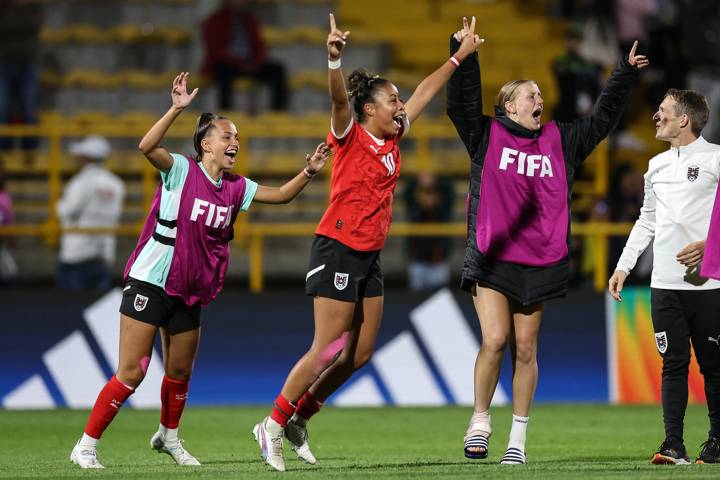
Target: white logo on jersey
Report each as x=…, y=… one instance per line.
x=374, y=148
x=389, y=162
x=526, y=164
x=216, y=215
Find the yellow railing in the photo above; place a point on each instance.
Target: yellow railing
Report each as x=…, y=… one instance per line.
x=424, y=160
x=256, y=233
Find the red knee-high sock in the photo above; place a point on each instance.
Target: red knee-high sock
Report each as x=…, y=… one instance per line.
x=308, y=406
x=173, y=395
x=108, y=403
x=282, y=411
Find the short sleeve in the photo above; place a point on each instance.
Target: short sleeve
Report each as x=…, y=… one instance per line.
x=250, y=189
x=175, y=177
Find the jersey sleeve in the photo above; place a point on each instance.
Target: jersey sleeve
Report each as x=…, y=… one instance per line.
x=250, y=190
x=175, y=177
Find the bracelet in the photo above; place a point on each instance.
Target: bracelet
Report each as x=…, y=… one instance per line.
x=334, y=64
x=308, y=174
x=455, y=61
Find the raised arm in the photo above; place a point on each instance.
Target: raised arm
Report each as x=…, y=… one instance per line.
x=582, y=135
x=150, y=143
x=341, y=115
x=290, y=190
x=427, y=89
x=464, y=98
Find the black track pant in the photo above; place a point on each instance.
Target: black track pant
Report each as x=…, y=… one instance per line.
x=679, y=317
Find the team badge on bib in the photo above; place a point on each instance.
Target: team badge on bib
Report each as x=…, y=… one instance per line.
x=692, y=172
x=341, y=280
x=141, y=302
x=661, y=342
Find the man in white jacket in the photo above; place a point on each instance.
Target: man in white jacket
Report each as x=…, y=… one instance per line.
x=92, y=198
x=680, y=187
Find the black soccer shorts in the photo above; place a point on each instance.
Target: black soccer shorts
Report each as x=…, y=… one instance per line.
x=150, y=304
x=339, y=272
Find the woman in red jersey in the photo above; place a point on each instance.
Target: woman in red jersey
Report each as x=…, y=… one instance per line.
x=345, y=278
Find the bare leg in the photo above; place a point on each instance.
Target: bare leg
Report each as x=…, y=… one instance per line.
x=179, y=352
x=526, y=326
x=136, y=343
x=358, y=349
x=332, y=318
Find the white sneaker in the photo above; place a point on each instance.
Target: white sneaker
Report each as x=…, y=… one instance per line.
x=175, y=449
x=298, y=437
x=271, y=446
x=85, y=456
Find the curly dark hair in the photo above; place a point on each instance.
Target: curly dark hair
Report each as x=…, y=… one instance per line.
x=362, y=87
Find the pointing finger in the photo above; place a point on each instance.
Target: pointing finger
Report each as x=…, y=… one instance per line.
x=472, y=25
x=332, y=22
x=633, y=49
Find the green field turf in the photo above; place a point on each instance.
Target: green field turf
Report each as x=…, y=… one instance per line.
x=564, y=441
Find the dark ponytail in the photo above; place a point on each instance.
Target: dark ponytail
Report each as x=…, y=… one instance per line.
x=205, y=123
x=362, y=87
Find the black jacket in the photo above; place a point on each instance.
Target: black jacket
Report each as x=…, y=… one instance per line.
x=579, y=138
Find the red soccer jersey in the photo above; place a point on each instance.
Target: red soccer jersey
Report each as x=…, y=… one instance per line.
x=364, y=175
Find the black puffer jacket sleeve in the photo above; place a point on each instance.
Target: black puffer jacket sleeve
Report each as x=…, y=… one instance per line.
x=581, y=136
x=464, y=101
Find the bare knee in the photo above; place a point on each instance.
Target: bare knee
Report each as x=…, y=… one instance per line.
x=179, y=372
x=526, y=353
x=494, y=343
x=130, y=376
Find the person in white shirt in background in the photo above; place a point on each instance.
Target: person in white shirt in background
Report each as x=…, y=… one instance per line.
x=680, y=187
x=92, y=198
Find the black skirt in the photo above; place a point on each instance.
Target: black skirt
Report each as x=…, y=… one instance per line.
x=521, y=283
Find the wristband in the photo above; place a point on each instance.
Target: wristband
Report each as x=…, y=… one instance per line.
x=308, y=174
x=454, y=60
x=334, y=64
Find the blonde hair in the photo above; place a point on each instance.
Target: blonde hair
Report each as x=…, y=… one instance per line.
x=509, y=92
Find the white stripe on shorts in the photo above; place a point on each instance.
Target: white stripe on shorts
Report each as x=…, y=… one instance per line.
x=314, y=271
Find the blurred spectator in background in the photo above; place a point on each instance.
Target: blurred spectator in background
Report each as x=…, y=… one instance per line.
x=578, y=79
x=428, y=199
x=8, y=267
x=700, y=27
x=625, y=197
x=234, y=48
x=20, y=24
x=92, y=198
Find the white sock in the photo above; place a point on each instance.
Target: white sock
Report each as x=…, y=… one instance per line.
x=88, y=441
x=518, y=432
x=171, y=434
x=273, y=427
x=162, y=429
x=302, y=421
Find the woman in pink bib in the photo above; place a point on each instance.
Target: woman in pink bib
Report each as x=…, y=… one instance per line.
x=518, y=218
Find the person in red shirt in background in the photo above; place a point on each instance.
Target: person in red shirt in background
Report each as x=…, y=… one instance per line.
x=234, y=48
x=345, y=278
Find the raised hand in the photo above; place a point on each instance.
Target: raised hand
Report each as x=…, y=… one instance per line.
x=179, y=93
x=637, y=61
x=316, y=161
x=469, y=40
x=336, y=40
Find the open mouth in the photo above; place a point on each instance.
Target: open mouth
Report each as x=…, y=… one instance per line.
x=398, y=120
x=536, y=114
x=231, y=153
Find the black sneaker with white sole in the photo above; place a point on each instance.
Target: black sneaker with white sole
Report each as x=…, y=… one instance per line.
x=709, y=451
x=671, y=453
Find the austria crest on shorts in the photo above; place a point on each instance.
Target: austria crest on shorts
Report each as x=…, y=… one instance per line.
x=661, y=342
x=692, y=172
x=341, y=280
x=141, y=302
